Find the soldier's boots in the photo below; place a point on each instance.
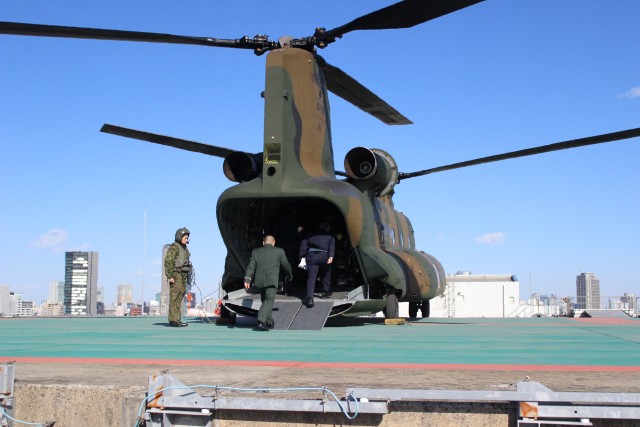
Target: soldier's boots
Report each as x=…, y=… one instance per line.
x=178, y=324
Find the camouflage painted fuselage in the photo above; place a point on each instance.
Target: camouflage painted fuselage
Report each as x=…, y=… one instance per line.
x=297, y=187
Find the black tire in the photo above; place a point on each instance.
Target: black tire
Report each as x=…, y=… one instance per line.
x=426, y=308
x=392, y=310
x=413, y=309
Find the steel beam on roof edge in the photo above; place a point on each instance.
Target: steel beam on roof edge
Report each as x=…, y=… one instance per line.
x=525, y=391
x=536, y=400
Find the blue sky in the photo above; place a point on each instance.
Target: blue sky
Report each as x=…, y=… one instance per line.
x=496, y=77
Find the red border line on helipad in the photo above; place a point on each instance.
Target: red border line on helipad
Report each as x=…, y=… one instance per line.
x=608, y=321
x=324, y=365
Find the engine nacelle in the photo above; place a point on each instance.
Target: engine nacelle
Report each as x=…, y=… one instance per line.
x=373, y=170
x=240, y=167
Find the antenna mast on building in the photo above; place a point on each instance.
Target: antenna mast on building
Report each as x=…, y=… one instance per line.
x=144, y=256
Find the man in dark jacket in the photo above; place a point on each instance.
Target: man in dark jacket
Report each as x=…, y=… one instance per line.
x=318, y=249
x=264, y=269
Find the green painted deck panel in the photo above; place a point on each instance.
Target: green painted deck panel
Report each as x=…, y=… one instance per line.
x=539, y=341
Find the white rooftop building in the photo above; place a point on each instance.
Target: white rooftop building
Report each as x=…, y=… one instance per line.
x=469, y=295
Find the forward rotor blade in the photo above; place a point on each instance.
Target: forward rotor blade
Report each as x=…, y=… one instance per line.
x=347, y=88
x=21, y=29
x=404, y=14
x=574, y=143
x=170, y=141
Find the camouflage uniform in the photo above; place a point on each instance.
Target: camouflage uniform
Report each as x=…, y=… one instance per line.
x=178, y=267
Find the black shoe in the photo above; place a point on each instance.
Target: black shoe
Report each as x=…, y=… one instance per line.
x=326, y=295
x=262, y=327
x=270, y=324
x=178, y=324
x=310, y=302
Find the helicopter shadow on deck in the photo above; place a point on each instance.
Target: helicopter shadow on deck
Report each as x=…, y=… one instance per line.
x=354, y=321
x=424, y=321
x=365, y=321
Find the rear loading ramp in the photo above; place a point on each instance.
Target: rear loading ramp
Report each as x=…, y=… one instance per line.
x=289, y=312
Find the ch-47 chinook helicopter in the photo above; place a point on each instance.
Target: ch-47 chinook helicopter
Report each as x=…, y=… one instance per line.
x=293, y=183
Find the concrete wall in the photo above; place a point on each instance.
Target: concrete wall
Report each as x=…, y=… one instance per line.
x=81, y=406
x=108, y=406
x=78, y=405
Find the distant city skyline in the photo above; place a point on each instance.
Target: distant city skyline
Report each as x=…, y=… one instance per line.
x=467, y=295
x=587, y=286
x=582, y=282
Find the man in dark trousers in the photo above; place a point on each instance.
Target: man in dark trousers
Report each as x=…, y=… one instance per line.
x=264, y=269
x=318, y=249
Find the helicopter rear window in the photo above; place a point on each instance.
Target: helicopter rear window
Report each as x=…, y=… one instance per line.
x=272, y=153
x=388, y=235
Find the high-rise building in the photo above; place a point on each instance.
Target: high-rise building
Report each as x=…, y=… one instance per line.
x=628, y=302
x=5, y=294
x=13, y=301
x=125, y=294
x=100, y=297
x=24, y=308
x=81, y=283
x=56, y=292
x=587, y=291
x=52, y=309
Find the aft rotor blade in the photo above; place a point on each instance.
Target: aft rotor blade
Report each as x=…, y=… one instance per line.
x=347, y=88
x=574, y=143
x=404, y=14
x=170, y=141
x=21, y=29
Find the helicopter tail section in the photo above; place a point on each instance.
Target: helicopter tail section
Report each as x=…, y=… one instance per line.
x=297, y=135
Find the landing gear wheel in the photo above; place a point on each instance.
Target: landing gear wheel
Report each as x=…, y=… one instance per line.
x=426, y=308
x=391, y=310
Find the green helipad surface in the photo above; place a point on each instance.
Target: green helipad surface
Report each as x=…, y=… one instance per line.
x=546, y=343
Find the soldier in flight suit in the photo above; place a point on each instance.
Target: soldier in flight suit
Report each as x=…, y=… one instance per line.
x=318, y=248
x=177, y=268
x=264, y=269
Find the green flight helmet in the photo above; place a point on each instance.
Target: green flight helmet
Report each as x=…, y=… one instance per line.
x=181, y=232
